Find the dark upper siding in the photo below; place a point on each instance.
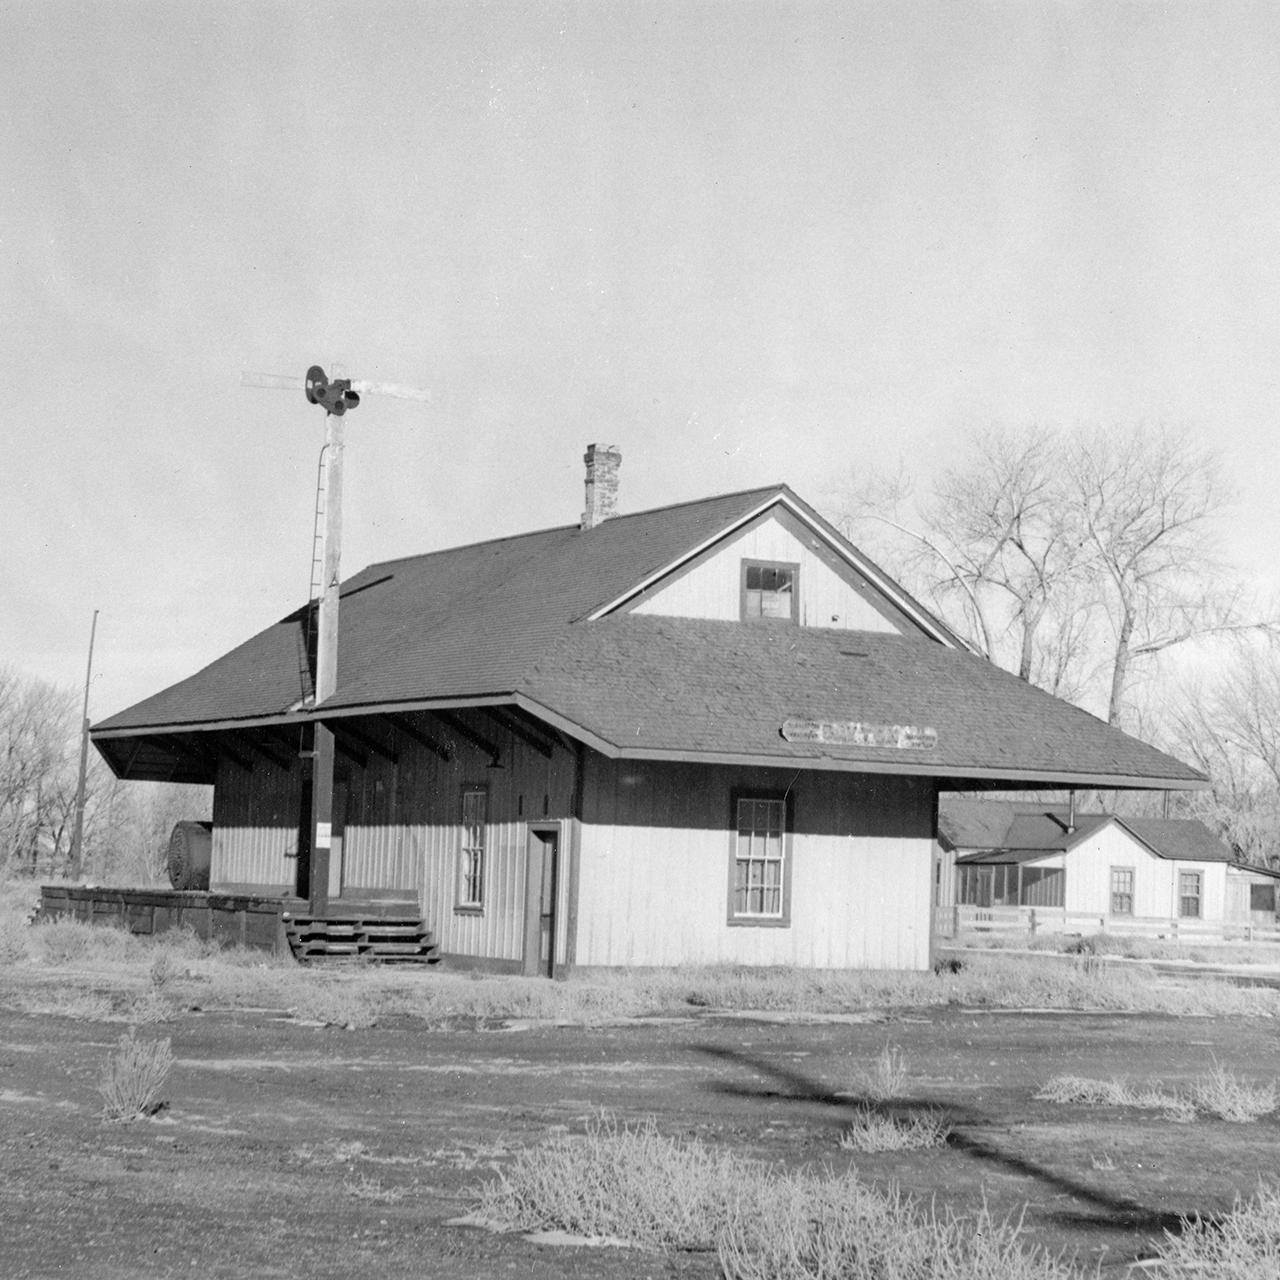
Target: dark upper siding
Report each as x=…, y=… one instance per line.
x=672, y=795
x=255, y=819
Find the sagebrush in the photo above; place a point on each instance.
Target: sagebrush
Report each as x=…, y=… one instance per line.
x=873, y=1131
x=134, y=1076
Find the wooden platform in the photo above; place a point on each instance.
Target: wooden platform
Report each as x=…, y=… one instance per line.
x=379, y=932
x=232, y=919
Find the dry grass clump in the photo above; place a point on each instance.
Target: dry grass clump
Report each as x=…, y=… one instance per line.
x=872, y=1131
x=1081, y=1089
x=631, y=1184
x=133, y=1077
x=337, y=1004
x=1244, y=1245
x=61, y=1002
x=61, y=942
x=1084, y=982
x=804, y=1227
x=887, y=1077
x=1226, y=1096
x=635, y=1186
x=1218, y=1093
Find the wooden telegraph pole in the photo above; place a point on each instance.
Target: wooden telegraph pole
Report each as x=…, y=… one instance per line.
x=76, y=865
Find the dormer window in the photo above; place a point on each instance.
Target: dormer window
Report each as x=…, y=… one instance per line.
x=770, y=590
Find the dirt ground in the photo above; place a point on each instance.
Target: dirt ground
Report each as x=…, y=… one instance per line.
x=293, y=1150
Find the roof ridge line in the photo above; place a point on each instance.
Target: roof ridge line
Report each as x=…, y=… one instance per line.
x=779, y=487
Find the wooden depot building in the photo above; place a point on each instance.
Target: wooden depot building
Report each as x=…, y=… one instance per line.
x=710, y=733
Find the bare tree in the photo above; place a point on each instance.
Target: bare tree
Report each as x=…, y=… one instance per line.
x=1147, y=504
x=1068, y=559
x=992, y=548
x=37, y=721
x=1231, y=731
x=126, y=825
x=1003, y=513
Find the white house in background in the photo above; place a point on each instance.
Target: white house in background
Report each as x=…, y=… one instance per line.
x=999, y=853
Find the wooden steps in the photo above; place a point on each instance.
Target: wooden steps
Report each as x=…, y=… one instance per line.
x=370, y=939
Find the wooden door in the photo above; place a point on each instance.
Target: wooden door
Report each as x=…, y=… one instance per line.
x=542, y=875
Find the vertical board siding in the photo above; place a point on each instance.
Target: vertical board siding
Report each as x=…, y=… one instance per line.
x=654, y=869
x=408, y=835
x=255, y=825
x=713, y=588
x=402, y=828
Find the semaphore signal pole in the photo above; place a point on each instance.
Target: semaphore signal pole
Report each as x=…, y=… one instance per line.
x=336, y=396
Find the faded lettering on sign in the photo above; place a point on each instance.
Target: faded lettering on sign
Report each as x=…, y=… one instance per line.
x=858, y=733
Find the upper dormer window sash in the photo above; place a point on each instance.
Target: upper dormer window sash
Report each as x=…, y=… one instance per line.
x=770, y=590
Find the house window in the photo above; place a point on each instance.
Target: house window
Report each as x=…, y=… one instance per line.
x=769, y=590
x=761, y=874
x=1122, y=891
x=475, y=806
x=1189, y=892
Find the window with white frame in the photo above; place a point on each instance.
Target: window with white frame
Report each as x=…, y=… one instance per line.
x=769, y=590
x=475, y=816
x=1190, y=891
x=1122, y=891
x=760, y=888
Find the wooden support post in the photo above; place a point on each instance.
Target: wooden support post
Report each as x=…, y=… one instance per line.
x=321, y=819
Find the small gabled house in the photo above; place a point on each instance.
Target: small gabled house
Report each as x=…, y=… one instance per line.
x=1103, y=867
x=714, y=732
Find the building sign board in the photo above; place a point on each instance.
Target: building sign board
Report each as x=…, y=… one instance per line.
x=859, y=733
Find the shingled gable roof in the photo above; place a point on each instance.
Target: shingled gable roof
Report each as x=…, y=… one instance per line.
x=461, y=622
x=511, y=621
x=1015, y=831
x=965, y=823
x=468, y=622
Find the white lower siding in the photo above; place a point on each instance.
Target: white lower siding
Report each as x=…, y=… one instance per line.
x=861, y=877
x=856, y=904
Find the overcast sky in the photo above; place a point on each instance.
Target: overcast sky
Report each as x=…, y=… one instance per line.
x=746, y=242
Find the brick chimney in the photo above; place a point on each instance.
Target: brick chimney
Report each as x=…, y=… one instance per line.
x=603, y=461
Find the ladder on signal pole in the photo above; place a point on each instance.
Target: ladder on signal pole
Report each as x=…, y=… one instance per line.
x=316, y=586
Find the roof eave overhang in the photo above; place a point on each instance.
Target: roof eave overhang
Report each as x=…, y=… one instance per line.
x=300, y=716
x=957, y=775
x=954, y=777
x=197, y=726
